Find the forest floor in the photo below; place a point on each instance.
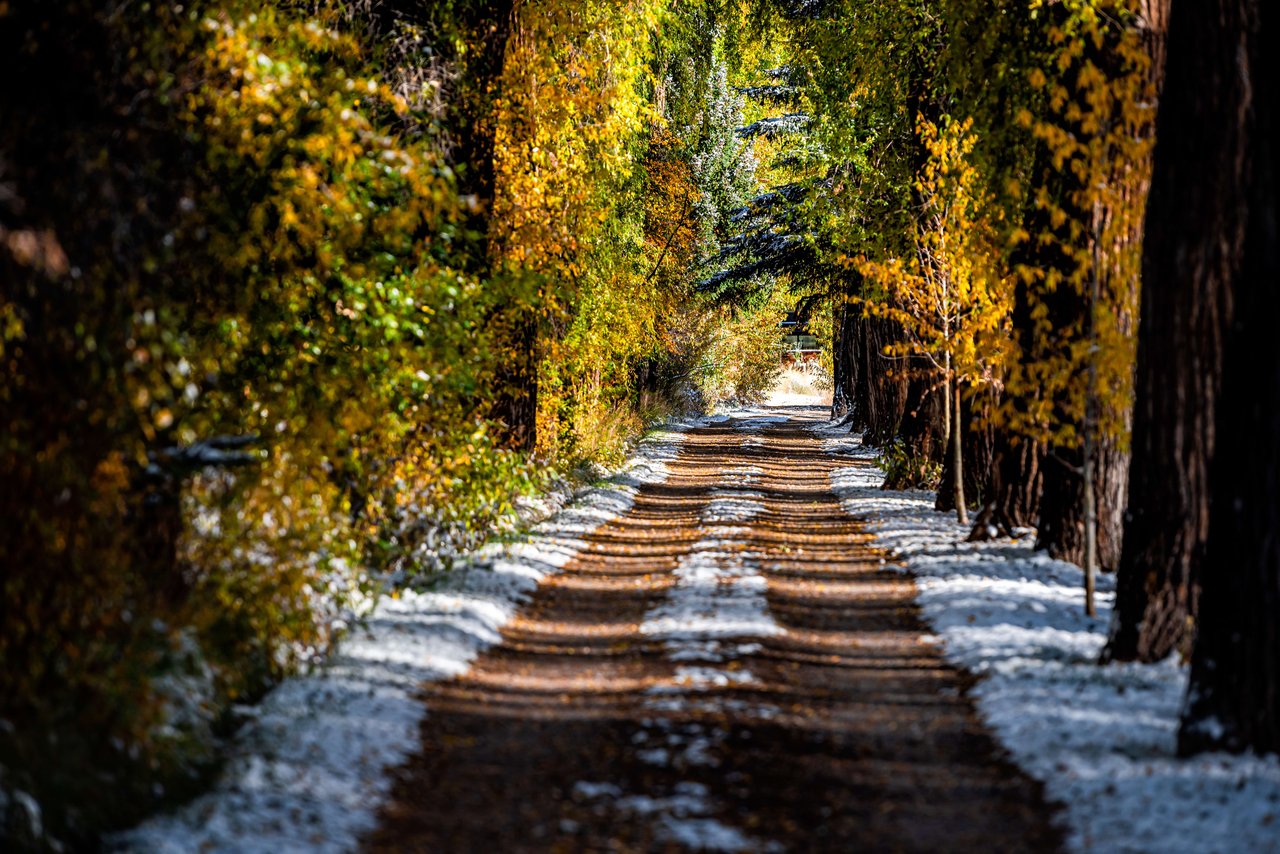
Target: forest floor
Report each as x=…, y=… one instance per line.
x=738, y=643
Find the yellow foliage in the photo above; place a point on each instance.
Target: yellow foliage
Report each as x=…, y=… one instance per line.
x=1098, y=134
x=950, y=296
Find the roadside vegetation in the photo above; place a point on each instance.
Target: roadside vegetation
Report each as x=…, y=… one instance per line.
x=298, y=297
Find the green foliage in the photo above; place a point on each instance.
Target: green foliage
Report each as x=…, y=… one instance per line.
x=1057, y=103
x=262, y=252
x=743, y=353
x=904, y=470
x=258, y=219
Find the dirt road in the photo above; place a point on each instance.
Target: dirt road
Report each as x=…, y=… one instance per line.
x=729, y=666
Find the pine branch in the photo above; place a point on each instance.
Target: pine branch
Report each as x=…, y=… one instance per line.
x=791, y=123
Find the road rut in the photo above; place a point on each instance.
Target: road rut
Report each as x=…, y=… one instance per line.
x=731, y=665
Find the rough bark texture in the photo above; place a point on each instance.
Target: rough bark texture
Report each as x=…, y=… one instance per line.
x=921, y=434
x=1060, y=527
x=1013, y=497
x=1179, y=372
x=1220, y=116
x=890, y=399
x=1014, y=493
x=879, y=383
x=843, y=365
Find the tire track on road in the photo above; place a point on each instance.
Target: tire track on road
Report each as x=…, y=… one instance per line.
x=729, y=666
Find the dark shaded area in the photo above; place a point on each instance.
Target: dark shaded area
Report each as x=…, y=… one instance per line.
x=1222, y=88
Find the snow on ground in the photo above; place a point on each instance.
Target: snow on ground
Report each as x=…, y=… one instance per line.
x=708, y=622
x=309, y=772
x=1100, y=738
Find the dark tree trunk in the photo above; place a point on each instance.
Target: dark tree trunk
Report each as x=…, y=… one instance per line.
x=880, y=383
x=1016, y=459
x=1179, y=373
x=1116, y=231
x=979, y=454
x=1016, y=485
x=921, y=431
x=488, y=28
x=1060, y=523
x=843, y=365
x=516, y=407
x=1060, y=527
x=1220, y=114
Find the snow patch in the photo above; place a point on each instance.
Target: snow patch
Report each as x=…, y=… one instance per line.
x=681, y=817
x=310, y=771
x=1102, y=739
x=718, y=594
x=754, y=423
x=732, y=510
x=715, y=607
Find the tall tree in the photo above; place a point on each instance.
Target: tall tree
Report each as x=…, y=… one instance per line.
x=1218, y=127
x=949, y=296
x=1179, y=376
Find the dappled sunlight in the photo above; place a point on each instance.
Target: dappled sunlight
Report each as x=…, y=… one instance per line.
x=735, y=635
x=1103, y=738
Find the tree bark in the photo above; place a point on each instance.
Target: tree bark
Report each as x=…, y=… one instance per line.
x=1179, y=375
x=1016, y=486
x=1017, y=479
x=844, y=366
x=979, y=438
x=880, y=384
x=1060, y=528
x=957, y=458
x=921, y=430
x=1221, y=113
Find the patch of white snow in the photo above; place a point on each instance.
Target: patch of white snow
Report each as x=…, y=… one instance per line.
x=1102, y=739
x=309, y=772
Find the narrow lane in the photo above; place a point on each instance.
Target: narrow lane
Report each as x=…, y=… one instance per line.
x=729, y=666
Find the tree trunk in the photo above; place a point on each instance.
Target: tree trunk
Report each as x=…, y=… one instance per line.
x=921, y=432
x=487, y=28
x=1090, y=525
x=957, y=457
x=1016, y=487
x=1179, y=374
x=516, y=405
x=844, y=366
x=1116, y=223
x=1017, y=479
x=1221, y=113
x=880, y=385
x=979, y=436
x=1060, y=528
